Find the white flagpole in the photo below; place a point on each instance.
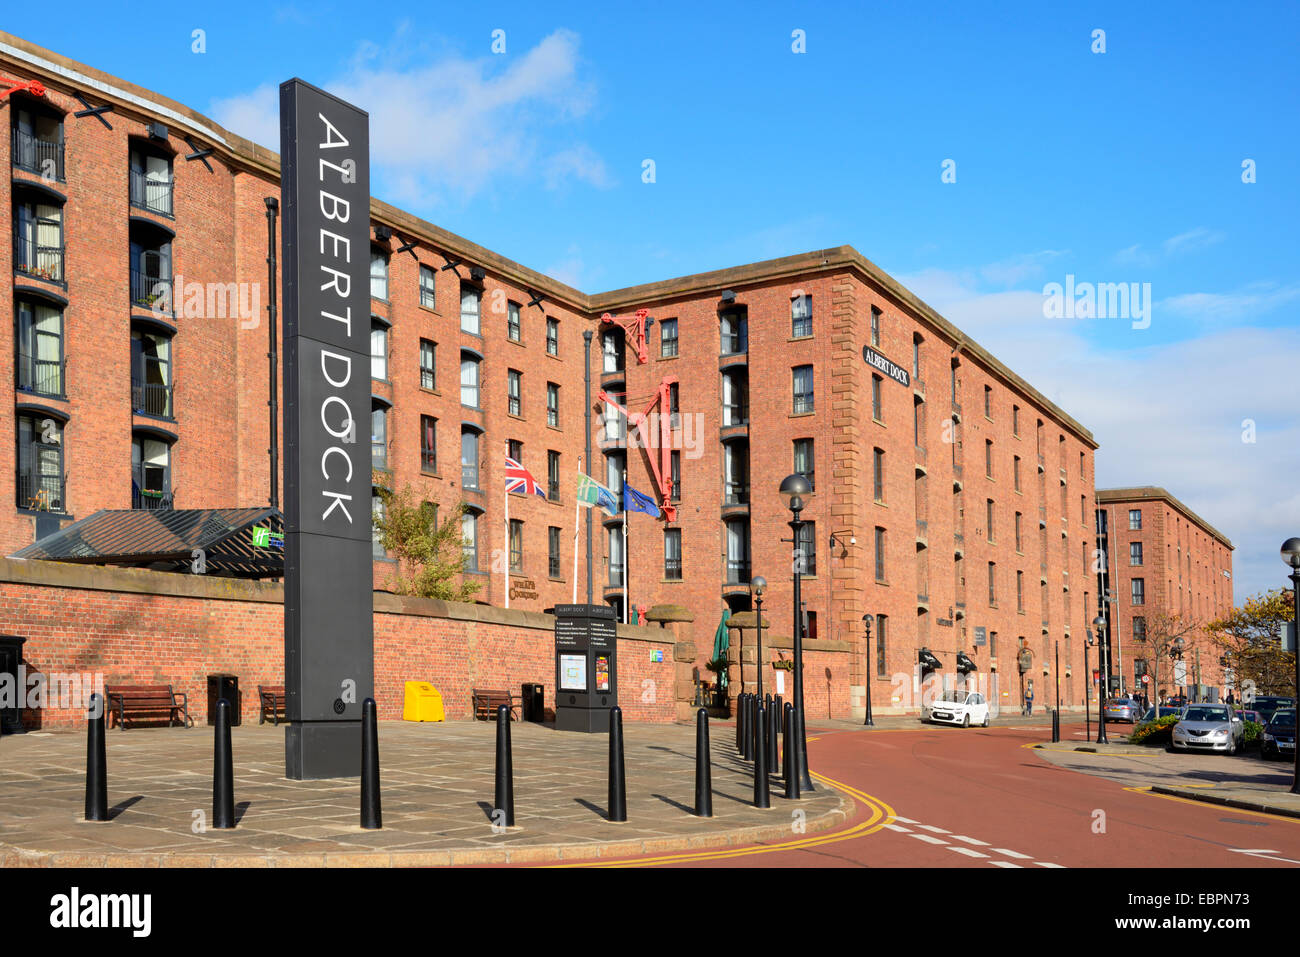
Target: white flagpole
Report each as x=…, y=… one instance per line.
x=507, y=564
x=575, y=539
x=627, y=598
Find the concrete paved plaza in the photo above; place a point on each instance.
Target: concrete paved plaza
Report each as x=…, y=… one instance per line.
x=437, y=792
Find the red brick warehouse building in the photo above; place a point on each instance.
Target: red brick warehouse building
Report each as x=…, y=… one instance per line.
x=1170, y=574
x=952, y=501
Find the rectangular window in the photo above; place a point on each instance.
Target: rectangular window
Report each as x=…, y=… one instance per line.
x=880, y=554
x=735, y=396
x=1019, y=541
x=1139, y=628
x=469, y=536
x=516, y=546
x=803, y=388
x=988, y=402
x=377, y=549
x=378, y=351
x=876, y=411
x=428, y=443
x=878, y=474
x=151, y=384
x=38, y=252
x=471, y=298
x=379, y=439
x=803, y=460
x=553, y=475
x=378, y=274
x=151, y=473
x=513, y=330
x=552, y=405
x=737, y=552
x=40, y=350
x=428, y=354
x=1135, y=520
x=668, y=338
x=40, y=464
x=1139, y=593
x=552, y=336
x=801, y=316
x=988, y=457
x=1020, y=590
x=38, y=143
x=918, y=418
x=734, y=325
x=151, y=182
x=875, y=326
x=1015, y=470
x=988, y=517
x=428, y=287
x=807, y=548
x=673, y=554
x=675, y=471
x=468, y=381
x=515, y=450
x=469, y=459
x=553, y=552
x=993, y=595
x=916, y=356
x=614, y=536
x=735, y=474
x=612, y=350
x=1015, y=420
x=1135, y=553
x=514, y=391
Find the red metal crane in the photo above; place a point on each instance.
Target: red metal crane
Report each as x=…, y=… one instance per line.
x=8, y=85
x=660, y=469
x=634, y=329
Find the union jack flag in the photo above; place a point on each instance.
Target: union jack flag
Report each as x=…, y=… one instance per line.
x=519, y=479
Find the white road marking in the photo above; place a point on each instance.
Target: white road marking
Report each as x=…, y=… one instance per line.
x=967, y=851
x=903, y=820
x=1016, y=854
x=928, y=839
x=1260, y=852
x=899, y=828
x=970, y=840
x=931, y=827
x=1003, y=864
x=1049, y=864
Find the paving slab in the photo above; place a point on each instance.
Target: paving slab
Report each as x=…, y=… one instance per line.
x=437, y=793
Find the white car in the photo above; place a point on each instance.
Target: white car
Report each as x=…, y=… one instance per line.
x=958, y=707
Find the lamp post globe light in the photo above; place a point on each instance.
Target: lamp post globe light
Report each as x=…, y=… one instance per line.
x=1099, y=625
x=795, y=490
x=866, y=624
x=758, y=585
x=1291, y=555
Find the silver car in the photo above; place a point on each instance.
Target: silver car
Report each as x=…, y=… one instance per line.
x=1209, y=727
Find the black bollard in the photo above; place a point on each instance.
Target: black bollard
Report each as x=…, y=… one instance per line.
x=791, y=758
x=223, y=771
x=747, y=733
x=96, y=763
x=505, y=796
x=617, y=780
x=762, y=799
x=742, y=705
x=755, y=715
x=372, y=815
x=773, y=732
x=703, y=766
x=1056, y=725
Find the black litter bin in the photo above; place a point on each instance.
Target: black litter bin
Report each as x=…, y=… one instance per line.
x=223, y=688
x=533, y=708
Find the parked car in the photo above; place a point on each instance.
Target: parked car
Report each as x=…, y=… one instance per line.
x=1248, y=715
x=1150, y=714
x=1267, y=704
x=1208, y=727
x=959, y=707
x=1122, y=709
x=1278, y=739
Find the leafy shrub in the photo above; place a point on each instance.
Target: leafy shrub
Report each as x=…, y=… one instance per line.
x=1152, y=733
x=1253, y=731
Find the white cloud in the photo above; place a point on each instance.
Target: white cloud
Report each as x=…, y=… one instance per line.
x=1191, y=241
x=452, y=126
x=1167, y=414
x=1244, y=304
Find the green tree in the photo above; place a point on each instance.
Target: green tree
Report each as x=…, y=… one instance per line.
x=429, y=551
x=1251, y=636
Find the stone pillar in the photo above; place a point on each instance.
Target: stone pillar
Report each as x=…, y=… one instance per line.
x=680, y=622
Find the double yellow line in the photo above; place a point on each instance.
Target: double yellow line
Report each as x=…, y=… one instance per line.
x=880, y=815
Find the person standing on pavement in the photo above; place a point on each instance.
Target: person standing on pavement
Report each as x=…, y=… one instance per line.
x=1029, y=701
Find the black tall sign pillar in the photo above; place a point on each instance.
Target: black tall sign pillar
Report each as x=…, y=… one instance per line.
x=328, y=637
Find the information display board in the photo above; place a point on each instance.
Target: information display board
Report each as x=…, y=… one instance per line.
x=586, y=667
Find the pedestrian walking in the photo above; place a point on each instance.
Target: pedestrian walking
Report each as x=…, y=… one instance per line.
x=1029, y=701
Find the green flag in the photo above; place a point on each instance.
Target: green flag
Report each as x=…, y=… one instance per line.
x=591, y=492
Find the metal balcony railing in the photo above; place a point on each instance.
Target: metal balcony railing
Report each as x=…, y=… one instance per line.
x=42, y=493
x=36, y=155
x=737, y=571
x=673, y=568
x=379, y=455
x=151, y=292
x=735, y=493
x=469, y=476
x=735, y=413
x=41, y=376
x=41, y=262
x=615, y=574
x=151, y=398
x=152, y=499
x=150, y=193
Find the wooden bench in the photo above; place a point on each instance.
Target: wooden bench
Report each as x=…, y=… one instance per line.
x=148, y=701
x=272, y=698
x=487, y=700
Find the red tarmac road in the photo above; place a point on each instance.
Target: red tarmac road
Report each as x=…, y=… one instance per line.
x=953, y=797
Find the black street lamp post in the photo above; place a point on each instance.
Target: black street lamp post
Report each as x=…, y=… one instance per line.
x=758, y=585
x=866, y=623
x=795, y=489
x=1087, y=688
x=1099, y=623
x=1291, y=555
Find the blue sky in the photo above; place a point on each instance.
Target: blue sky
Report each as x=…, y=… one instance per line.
x=1122, y=166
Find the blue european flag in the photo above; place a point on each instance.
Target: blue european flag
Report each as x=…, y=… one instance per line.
x=634, y=501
